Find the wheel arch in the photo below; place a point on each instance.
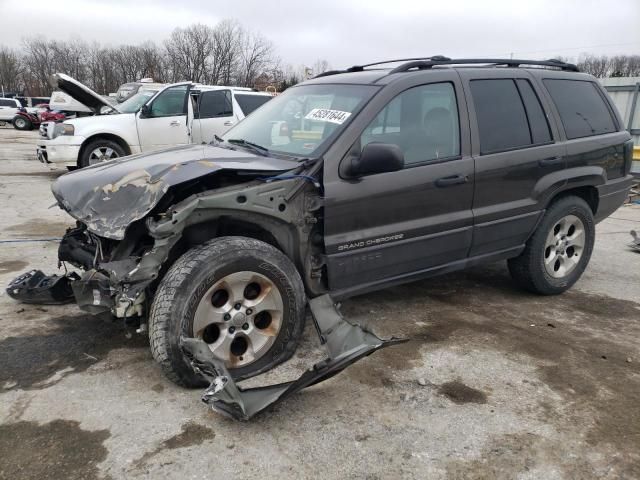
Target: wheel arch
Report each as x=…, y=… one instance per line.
x=106, y=136
x=581, y=182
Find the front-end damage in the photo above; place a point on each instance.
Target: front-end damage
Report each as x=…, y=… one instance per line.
x=134, y=220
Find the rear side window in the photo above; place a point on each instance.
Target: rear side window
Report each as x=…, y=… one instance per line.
x=582, y=109
x=503, y=121
x=538, y=124
x=216, y=103
x=248, y=103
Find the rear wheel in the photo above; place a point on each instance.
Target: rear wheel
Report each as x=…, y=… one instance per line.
x=243, y=297
x=100, y=150
x=558, y=252
x=21, y=123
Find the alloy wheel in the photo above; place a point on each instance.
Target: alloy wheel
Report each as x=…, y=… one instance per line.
x=102, y=154
x=239, y=317
x=564, y=246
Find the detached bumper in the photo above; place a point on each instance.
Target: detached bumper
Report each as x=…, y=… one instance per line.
x=62, y=149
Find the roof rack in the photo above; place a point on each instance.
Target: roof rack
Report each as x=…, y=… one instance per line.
x=511, y=62
x=422, y=63
x=360, y=68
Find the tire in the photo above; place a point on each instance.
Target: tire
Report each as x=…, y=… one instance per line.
x=548, y=266
x=188, y=286
x=109, y=148
x=21, y=123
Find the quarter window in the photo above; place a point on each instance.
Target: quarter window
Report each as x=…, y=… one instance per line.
x=422, y=121
x=216, y=103
x=248, y=103
x=582, y=109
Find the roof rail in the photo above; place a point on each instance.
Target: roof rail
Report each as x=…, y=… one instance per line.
x=511, y=62
x=360, y=68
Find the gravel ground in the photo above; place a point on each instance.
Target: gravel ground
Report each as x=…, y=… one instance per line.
x=495, y=383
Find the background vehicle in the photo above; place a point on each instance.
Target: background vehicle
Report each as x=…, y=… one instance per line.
x=178, y=114
x=127, y=90
x=9, y=107
x=443, y=168
x=30, y=118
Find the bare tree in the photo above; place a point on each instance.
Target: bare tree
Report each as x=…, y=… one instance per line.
x=256, y=55
x=188, y=52
x=10, y=70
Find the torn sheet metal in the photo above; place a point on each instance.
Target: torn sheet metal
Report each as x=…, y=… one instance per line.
x=109, y=196
x=345, y=343
x=635, y=243
x=38, y=288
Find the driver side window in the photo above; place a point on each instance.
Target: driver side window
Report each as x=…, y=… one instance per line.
x=422, y=121
x=170, y=102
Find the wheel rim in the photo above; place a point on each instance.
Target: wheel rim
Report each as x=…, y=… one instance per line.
x=239, y=317
x=21, y=123
x=564, y=246
x=102, y=154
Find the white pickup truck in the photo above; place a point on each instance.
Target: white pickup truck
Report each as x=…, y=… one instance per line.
x=152, y=119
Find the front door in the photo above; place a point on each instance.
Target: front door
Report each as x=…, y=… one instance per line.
x=164, y=121
x=390, y=227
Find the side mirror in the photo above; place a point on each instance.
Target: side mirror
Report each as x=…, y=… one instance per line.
x=145, y=111
x=377, y=158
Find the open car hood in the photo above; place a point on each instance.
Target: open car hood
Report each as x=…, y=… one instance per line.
x=108, y=197
x=78, y=91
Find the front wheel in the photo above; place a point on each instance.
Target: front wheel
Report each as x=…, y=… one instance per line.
x=100, y=150
x=558, y=252
x=21, y=123
x=241, y=296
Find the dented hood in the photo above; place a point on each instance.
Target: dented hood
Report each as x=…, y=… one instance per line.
x=108, y=197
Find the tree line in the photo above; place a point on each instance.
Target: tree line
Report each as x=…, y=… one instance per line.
x=603, y=66
x=224, y=54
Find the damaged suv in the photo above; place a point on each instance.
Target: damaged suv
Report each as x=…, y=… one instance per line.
x=353, y=181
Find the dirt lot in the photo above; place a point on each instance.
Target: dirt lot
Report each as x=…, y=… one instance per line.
x=495, y=383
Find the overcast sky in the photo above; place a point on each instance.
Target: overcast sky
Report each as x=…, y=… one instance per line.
x=347, y=32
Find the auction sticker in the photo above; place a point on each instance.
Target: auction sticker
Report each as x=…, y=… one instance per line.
x=326, y=115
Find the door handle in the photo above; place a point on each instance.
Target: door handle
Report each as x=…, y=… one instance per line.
x=547, y=162
x=228, y=123
x=451, y=180
x=174, y=123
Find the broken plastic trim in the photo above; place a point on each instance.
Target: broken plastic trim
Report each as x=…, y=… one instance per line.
x=346, y=344
x=36, y=287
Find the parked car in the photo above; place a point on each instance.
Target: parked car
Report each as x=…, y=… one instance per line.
x=8, y=109
x=127, y=90
x=178, y=114
x=381, y=176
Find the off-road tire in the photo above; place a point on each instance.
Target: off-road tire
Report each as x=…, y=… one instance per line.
x=528, y=269
x=83, y=161
x=193, y=274
x=19, y=125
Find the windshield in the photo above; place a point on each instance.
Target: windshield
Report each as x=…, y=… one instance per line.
x=303, y=120
x=133, y=104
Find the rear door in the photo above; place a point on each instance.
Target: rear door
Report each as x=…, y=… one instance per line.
x=166, y=120
x=516, y=149
x=390, y=227
x=215, y=114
